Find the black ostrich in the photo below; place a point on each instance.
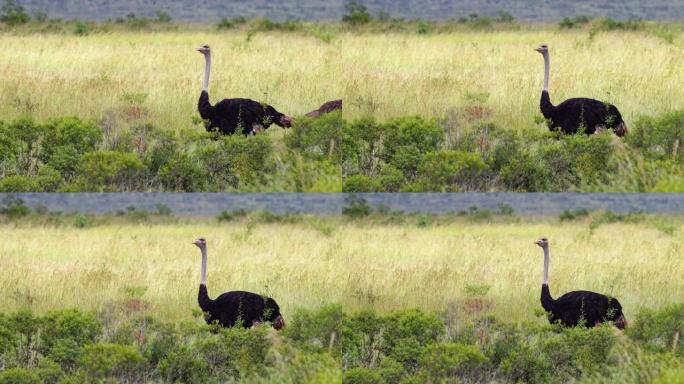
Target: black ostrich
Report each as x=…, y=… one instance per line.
x=229, y=307
x=235, y=115
x=578, y=114
x=578, y=307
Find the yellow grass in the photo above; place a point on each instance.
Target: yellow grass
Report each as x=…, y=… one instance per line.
x=388, y=75
x=383, y=267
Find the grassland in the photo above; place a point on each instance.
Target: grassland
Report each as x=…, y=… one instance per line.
x=465, y=76
x=459, y=268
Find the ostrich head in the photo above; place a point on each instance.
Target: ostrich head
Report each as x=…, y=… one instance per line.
x=201, y=243
x=543, y=49
x=204, y=49
x=543, y=242
x=272, y=314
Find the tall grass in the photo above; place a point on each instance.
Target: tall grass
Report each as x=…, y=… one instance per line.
x=462, y=76
x=460, y=268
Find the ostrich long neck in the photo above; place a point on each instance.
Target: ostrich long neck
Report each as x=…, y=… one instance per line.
x=203, y=278
x=546, y=266
x=547, y=71
x=547, y=301
x=207, y=70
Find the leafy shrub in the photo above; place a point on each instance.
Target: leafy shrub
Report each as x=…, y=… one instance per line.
x=525, y=174
x=66, y=331
x=318, y=138
x=362, y=376
x=452, y=170
x=356, y=207
x=361, y=183
x=14, y=207
x=661, y=137
x=226, y=23
x=183, y=174
x=572, y=22
x=573, y=214
x=104, y=360
x=49, y=371
x=317, y=331
x=109, y=170
x=183, y=365
x=660, y=330
x=163, y=16
x=48, y=179
x=391, y=370
x=18, y=183
x=355, y=13
x=13, y=13
x=410, y=132
x=18, y=376
x=451, y=359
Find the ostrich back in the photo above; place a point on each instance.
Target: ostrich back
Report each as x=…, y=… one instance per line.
x=229, y=116
x=576, y=307
x=577, y=114
x=242, y=308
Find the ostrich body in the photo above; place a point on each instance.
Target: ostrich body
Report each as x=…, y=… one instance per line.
x=578, y=307
x=231, y=308
x=235, y=115
x=579, y=114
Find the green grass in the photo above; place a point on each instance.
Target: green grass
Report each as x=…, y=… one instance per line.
x=465, y=75
x=384, y=262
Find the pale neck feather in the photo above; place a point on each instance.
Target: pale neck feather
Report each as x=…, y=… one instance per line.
x=207, y=70
x=547, y=70
x=546, y=266
x=203, y=278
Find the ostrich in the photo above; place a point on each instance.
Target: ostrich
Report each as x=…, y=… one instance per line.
x=578, y=307
x=231, y=115
x=250, y=308
x=575, y=115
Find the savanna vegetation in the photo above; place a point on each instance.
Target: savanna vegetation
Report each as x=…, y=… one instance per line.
x=369, y=297
x=470, y=89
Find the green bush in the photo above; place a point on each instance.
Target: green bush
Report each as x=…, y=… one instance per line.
x=183, y=174
x=184, y=366
x=13, y=13
x=48, y=179
x=19, y=376
x=355, y=13
x=362, y=376
x=356, y=207
x=14, y=207
x=452, y=359
x=18, y=183
x=226, y=23
x=109, y=171
x=411, y=132
x=452, y=171
x=361, y=183
x=49, y=371
x=104, y=360
x=660, y=137
x=318, y=138
x=660, y=330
